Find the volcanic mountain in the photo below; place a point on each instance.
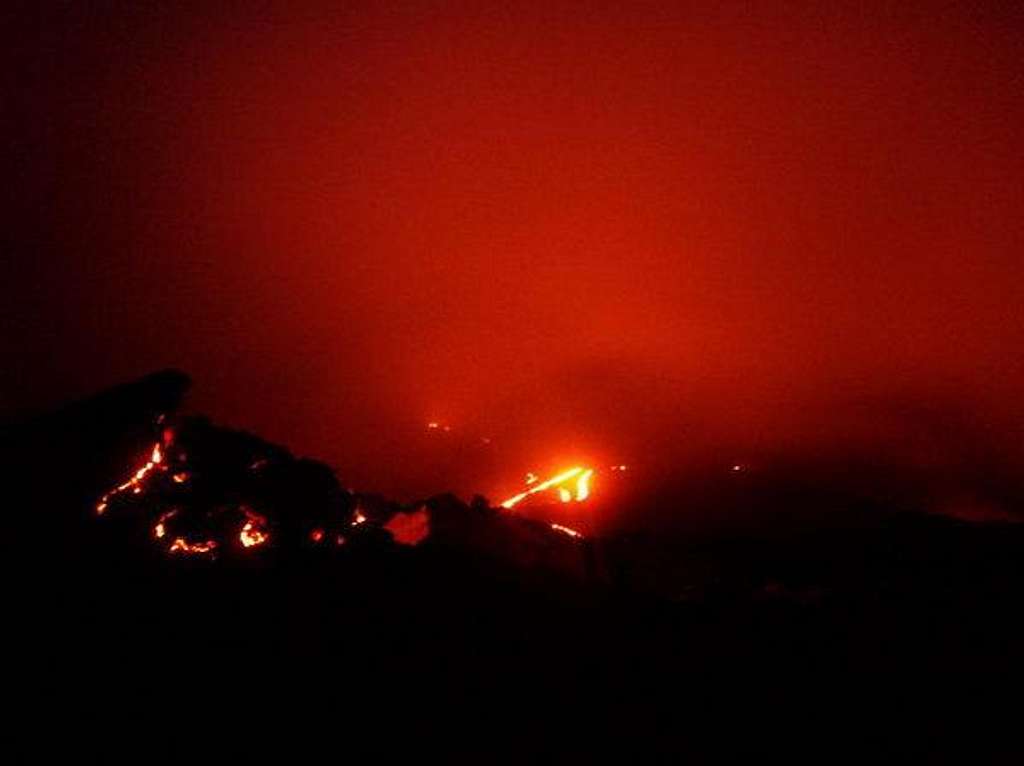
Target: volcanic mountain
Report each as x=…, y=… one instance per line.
x=166, y=560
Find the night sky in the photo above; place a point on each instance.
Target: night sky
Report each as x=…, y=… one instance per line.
x=623, y=231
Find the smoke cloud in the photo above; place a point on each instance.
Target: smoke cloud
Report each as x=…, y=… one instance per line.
x=640, y=233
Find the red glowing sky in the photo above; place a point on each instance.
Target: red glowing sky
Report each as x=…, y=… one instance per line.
x=574, y=231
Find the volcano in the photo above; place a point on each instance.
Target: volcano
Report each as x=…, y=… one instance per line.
x=167, y=555
x=208, y=492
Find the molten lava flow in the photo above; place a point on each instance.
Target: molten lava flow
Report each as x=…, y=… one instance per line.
x=566, y=530
x=135, y=483
x=565, y=494
x=254, y=531
x=181, y=545
x=554, y=481
x=250, y=536
x=160, y=529
x=583, y=485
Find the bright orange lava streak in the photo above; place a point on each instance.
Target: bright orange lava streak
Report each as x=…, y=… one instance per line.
x=566, y=530
x=181, y=545
x=582, y=476
x=552, y=482
x=160, y=530
x=135, y=482
x=583, y=485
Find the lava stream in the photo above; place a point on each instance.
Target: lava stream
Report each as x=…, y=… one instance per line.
x=581, y=474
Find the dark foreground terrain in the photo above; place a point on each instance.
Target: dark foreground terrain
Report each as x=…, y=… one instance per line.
x=487, y=637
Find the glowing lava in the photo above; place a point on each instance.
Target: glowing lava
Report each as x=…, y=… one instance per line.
x=405, y=527
x=181, y=545
x=254, y=531
x=135, y=483
x=582, y=486
x=566, y=530
x=160, y=529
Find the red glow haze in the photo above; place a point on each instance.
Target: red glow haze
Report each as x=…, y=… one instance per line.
x=575, y=229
